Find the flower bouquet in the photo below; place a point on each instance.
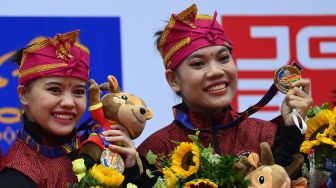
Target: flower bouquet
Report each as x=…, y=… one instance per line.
x=193, y=165
x=320, y=144
x=99, y=176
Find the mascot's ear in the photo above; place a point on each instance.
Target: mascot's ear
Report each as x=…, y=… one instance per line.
x=254, y=160
x=149, y=114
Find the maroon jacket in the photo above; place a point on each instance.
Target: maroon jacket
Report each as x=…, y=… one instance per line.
x=44, y=171
x=232, y=141
x=245, y=137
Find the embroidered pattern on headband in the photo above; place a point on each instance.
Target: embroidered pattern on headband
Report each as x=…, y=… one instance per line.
x=174, y=49
x=82, y=47
x=33, y=48
x=41, y=68
x=185, y=17
x=204, y=17
x=164, y=35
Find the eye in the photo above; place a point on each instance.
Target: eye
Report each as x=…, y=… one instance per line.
x=124, y=97
x=261, y=179
x=224, y=59
x=80, y=92
x=54, y=90
x=197, y=64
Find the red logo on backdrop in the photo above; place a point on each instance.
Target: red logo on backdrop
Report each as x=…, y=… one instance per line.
x=262, y=44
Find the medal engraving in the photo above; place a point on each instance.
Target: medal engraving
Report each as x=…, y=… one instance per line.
x=285, y=76
x=113, y=160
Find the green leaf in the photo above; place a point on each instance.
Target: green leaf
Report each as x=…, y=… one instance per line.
x=310, y=113
x=325, y=106
x=151, y=157
x=316, y=109
x=206, y=152
x=195, y=137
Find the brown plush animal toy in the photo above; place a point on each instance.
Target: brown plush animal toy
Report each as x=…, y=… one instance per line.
x=115, y=107
x=265, y=173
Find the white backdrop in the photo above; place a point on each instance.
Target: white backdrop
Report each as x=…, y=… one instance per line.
x=143, y=72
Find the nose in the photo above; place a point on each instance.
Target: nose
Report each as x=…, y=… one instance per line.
x=214, y=70
x=142, y=110
x=67, y=100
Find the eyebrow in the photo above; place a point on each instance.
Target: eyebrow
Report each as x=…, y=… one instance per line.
x=52, y=83
x=60, y=84
x=83, y=86
x=223, y=49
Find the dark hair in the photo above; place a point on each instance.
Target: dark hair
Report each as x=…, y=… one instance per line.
x=17, y=57
x=158, y=36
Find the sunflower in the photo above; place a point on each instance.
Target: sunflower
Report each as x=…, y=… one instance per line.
x=107, y=176
x=321, y=129
x=186, y=159
x=204, y=183
x=169, y=177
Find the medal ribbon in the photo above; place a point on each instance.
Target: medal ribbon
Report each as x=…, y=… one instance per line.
x=296, y=115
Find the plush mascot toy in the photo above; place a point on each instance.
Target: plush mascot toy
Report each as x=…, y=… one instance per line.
x=115, y=107
x=265, y=173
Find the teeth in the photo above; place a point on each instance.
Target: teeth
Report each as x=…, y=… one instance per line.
x=217, y=87
x=63, y=116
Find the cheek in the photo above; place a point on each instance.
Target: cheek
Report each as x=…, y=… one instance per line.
x=233, y=74
x=81, y=105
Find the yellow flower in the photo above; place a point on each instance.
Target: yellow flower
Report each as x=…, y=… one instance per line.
x=202, y=183
x=321, y=129
x=169, y=177
x=78, y=166
x=107, y=176
x=131, y=185
x=186, y=159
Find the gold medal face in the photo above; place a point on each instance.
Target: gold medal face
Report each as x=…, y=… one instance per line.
x=113, y=160
x=285, y=76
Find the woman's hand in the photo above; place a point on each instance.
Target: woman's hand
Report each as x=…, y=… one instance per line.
x=125, y=146
x=296, y=98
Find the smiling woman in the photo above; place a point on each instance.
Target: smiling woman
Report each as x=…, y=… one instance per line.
x=197, y=55
x=52, y=92
x=53, y=75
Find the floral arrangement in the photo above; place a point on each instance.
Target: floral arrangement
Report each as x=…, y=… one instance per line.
x=320, y=136
x=320, y=141
x=99, y=176
x=191, y=165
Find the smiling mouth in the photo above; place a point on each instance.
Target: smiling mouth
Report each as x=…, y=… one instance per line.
x=136, y=117
x=217, y=87
x=64, y=116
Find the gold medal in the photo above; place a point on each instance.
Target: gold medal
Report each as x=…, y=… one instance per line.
x=113, y=160
x=287, y=75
